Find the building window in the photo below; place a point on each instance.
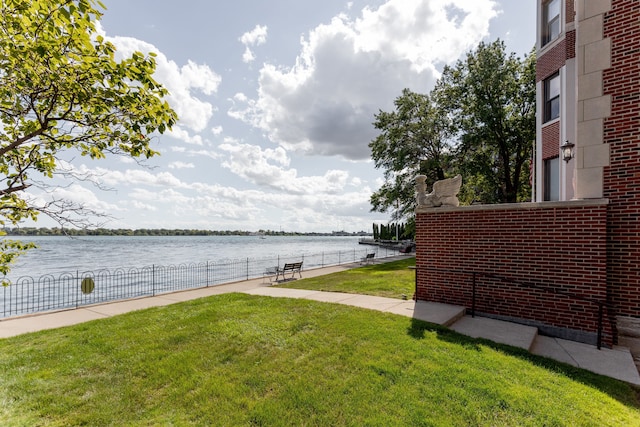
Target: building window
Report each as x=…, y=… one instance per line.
x=551, y=21
x=552, y=179
x=552, y=98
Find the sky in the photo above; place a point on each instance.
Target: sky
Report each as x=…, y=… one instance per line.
x=276, y=101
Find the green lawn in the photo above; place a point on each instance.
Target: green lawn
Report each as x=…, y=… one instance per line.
x=234, y=360
x=391, y=280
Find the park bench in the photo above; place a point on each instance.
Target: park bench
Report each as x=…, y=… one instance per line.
x=367, y=258
x=289, y=268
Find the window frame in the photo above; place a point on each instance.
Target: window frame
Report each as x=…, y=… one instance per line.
x=552, y=179
x=552, y=26
x=551, y=104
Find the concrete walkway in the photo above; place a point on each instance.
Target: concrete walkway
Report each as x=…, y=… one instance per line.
x=616, y=363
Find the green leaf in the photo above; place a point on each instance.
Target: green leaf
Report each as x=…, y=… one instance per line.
x=61, y=89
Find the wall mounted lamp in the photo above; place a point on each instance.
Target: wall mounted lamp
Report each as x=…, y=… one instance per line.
x=567, y=151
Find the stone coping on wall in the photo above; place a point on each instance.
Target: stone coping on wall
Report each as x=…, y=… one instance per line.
x=516, y=206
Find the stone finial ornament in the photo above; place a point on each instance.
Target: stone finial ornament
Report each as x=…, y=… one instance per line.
x=444, y=192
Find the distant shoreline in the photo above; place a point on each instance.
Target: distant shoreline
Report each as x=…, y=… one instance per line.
x=43, y=231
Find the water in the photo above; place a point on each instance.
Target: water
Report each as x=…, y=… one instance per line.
x=56, y=254
x=67, y=273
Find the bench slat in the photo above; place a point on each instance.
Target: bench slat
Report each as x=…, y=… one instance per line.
x=293, y=268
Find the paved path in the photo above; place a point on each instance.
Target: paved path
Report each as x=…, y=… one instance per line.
x=616, y=363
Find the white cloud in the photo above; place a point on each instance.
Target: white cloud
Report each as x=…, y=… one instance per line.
x=163, y=200
x=311, y=211
x=134, y=177
x=255, y=37
x=207, y=202
x=83, y=197
x=179, y=133
x=248, y=55
x=204, y=153
x=164, y=196
x=181, y=82
x=348, y=70
x=425, y=33
x=127, y=160
x=322, y=103
x=201, y=77
x=269, y=167
x=181, y=165
x=314, y=197
x=138, y=205
x=211, y=154
x=255, y=164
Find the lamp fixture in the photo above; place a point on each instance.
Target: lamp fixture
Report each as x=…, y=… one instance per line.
x=567, y=151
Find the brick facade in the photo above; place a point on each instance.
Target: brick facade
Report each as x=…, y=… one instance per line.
x=560, y=246
x=622, y=133
x=569, y=12
x=588, y=247
x=551, y=61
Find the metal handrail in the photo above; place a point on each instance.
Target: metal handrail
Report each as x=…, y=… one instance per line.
x=512, y=281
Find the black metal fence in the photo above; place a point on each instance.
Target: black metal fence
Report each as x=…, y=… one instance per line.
x=72, y=290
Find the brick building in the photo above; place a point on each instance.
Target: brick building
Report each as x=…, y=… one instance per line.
x=578, y=242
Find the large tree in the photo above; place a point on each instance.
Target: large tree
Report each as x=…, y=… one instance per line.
x=413, y=141
x=61, y=89
x=490, y=96
x=478, y=121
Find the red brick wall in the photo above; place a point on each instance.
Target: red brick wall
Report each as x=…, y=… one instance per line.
x=622, y=133
x=571, y=44
x=551, y=61
x=555, y=245
x=570, y=13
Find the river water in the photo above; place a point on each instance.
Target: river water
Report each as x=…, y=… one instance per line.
x=57, y=254
x=67, y=272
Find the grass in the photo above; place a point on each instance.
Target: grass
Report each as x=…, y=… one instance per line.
x=391, y=280
x=236, y=359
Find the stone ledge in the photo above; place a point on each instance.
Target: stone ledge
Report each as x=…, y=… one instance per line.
x=628, y=326
x=517, y=206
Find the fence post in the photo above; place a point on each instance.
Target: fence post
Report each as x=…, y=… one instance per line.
x=247, y=268
x=78, y=289
x=207, y=273
x=473, y=297
x=153, y=280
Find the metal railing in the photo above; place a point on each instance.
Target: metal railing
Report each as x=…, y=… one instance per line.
x=509, y=281
x=68, y=290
